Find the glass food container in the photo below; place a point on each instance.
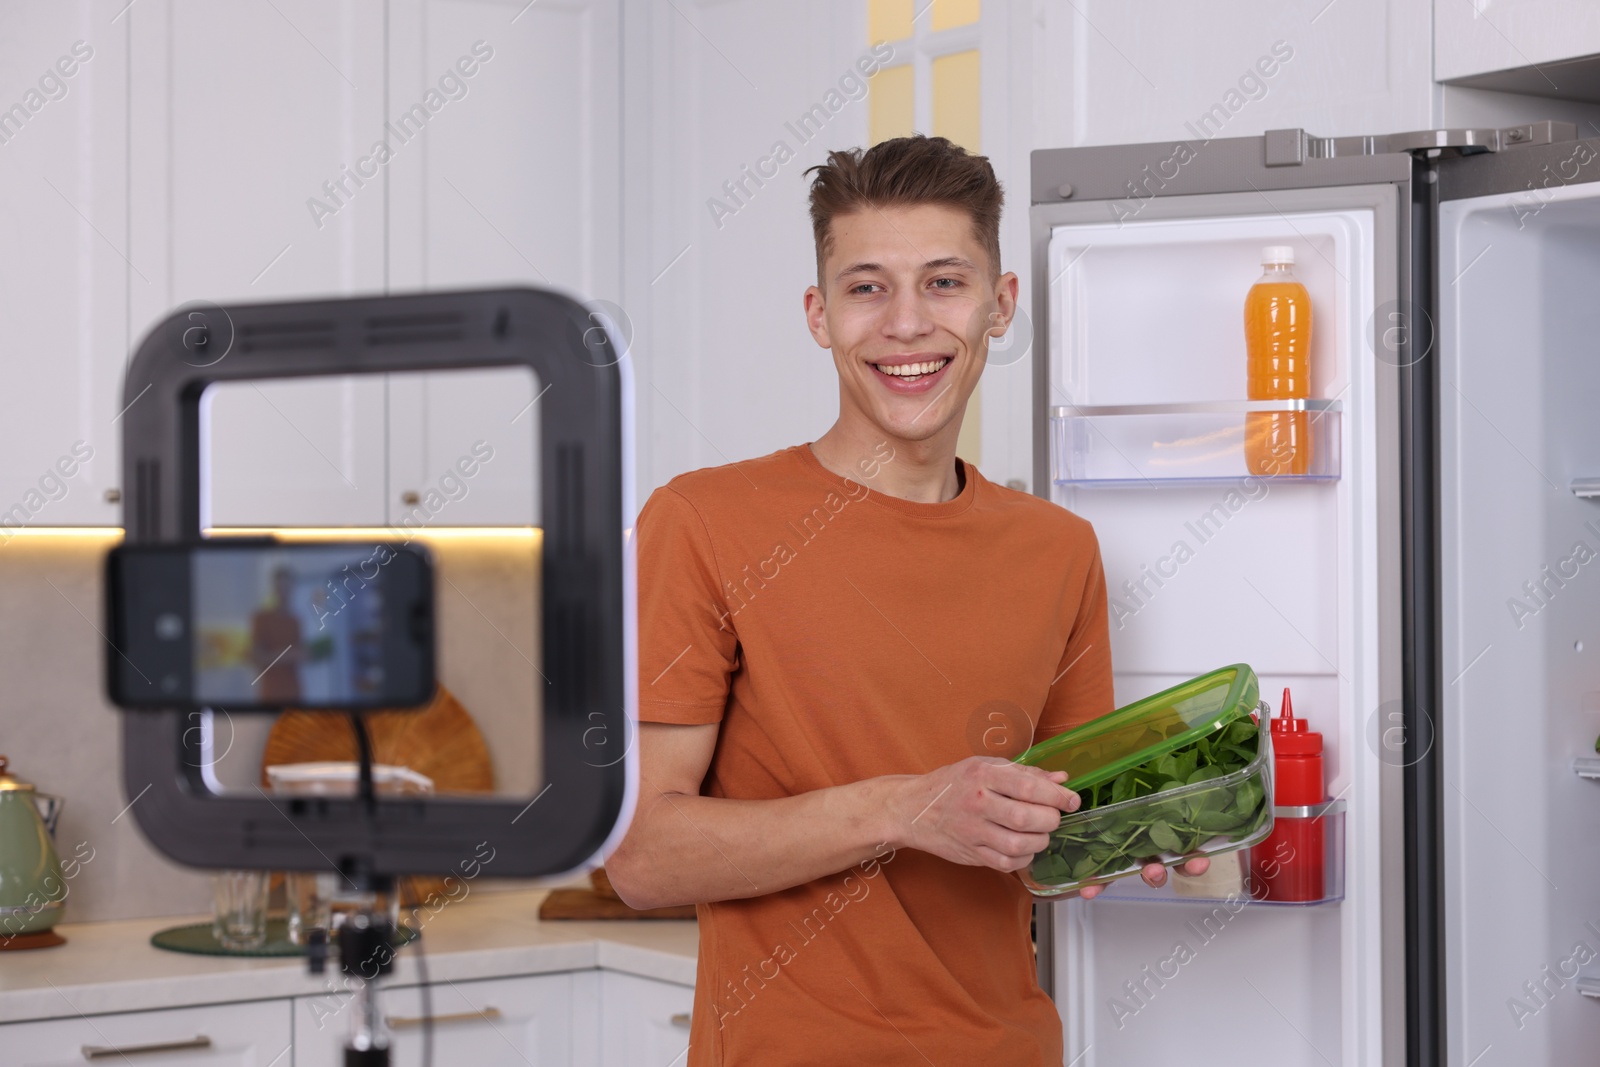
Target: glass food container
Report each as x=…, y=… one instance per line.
x=1184, y=773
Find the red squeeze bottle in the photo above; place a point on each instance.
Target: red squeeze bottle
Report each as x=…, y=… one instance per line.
x=1288, y=865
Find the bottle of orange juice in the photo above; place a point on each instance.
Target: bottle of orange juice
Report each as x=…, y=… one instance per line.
x=1277, y=336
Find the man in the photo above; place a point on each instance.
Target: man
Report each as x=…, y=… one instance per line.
x=275, y=643
x=828, y=638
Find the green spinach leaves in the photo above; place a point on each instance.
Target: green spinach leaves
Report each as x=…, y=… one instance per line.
x=1091, y=844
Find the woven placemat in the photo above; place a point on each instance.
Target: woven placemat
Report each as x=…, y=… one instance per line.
x=199, y=940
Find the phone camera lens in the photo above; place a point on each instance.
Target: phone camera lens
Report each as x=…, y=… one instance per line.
x=169, y=627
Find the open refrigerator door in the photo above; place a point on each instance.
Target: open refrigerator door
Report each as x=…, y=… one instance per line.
x=1143, y=420
x=1519, y=259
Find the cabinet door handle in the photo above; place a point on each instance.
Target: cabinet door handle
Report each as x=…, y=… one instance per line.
x=96, y=1052
x=401, y=1022
x=680, y=1019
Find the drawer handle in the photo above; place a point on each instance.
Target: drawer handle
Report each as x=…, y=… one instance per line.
x=680, y=1019
x=96, y=1052
x=401, y=1022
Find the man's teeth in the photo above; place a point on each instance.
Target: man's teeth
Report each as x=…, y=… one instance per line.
x=912, y=370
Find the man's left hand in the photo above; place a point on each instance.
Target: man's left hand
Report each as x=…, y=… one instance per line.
x=1155, y=875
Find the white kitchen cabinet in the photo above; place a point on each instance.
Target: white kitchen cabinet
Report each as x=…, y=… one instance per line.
x=203, y=154
x=1174, y=70
x=643, y=1022
x=506, y=166
x=252, y=179
x=296, y=453
x=67, y=269
x=536, y=1019
x=463, y=448
x=492, y=185
x=264, y=152
x=1486, y=36
x=502, y=1022
x=249, y=122
x=253, y=1034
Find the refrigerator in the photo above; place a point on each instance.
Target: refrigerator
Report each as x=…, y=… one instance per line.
x=1428, y=587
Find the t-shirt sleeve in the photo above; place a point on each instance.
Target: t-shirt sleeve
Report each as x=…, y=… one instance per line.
x=687, y=646
x=1082, y=687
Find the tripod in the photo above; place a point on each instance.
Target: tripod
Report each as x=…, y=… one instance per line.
x=366, y=953
x=367, y=940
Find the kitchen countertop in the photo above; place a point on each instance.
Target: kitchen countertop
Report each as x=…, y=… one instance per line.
x=112, y=967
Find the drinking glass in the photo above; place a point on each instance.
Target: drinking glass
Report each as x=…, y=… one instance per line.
x=309, y=895
x=239, y=908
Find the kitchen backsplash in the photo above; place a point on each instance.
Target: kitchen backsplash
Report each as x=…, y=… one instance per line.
x=61, y=734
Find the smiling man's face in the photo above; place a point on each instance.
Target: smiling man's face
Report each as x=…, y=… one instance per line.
x=909, y=304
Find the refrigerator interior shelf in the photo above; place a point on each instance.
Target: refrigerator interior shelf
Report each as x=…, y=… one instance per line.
x=1232, y=881
x=1149, y=445
x=1587, y=767
x=1197, y=407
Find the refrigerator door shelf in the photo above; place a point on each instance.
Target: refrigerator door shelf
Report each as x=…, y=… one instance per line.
x=1332, y=814
x=1150, y=445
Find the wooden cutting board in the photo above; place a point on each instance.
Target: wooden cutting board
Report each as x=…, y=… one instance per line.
x=586, y=904
x=441, y=741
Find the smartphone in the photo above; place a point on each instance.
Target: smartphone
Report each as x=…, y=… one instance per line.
x=262, y=625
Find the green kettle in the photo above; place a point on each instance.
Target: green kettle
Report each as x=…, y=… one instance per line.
x=32, y=890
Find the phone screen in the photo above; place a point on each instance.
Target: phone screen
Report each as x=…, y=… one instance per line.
x=270, y=625
x=279, y=627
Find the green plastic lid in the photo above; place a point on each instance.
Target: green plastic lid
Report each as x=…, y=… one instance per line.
x=1103, y=748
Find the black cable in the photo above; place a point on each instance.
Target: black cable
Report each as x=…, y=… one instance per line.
x=364, y=748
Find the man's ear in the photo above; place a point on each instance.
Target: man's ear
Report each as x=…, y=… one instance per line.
x=1003, y=308
x=1006, y=294
x=816, y=317
x=998, y=310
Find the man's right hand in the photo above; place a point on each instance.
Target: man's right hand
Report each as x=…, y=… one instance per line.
x=984, y=811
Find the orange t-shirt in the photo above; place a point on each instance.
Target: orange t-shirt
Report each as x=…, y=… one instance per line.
x=838, y=634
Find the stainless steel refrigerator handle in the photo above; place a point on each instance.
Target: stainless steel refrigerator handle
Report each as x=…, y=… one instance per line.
x=1292, y=147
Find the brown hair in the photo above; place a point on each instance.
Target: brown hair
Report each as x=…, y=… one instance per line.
x=903, y=171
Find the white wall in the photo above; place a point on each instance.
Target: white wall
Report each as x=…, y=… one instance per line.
x=726, y=367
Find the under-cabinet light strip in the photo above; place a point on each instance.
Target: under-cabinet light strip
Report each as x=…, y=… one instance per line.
x=297, y=533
